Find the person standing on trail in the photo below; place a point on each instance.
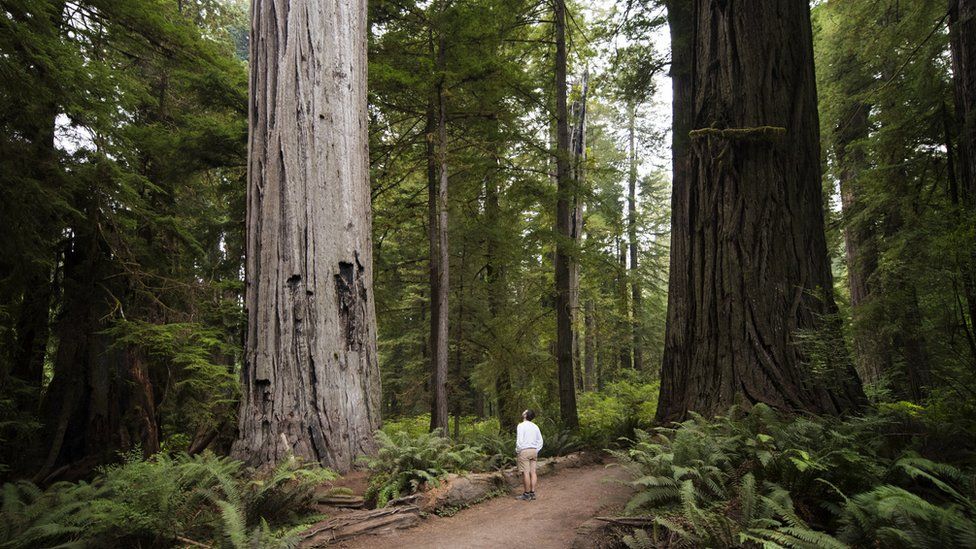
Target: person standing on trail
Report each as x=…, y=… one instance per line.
x=528, y=442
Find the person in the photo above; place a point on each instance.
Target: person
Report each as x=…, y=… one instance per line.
x=528, y=442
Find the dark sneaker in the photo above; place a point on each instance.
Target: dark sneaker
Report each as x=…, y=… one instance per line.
x=525, y=496
x=532, y=496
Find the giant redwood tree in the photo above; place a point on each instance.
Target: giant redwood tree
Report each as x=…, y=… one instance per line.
x=310, y=380
x=750, y=272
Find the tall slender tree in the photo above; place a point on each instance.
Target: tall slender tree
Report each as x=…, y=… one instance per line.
x=635, y=291
x=310, y=379
x=962, y=31
x=437, y=218
x=565, y=216
x=755, y=271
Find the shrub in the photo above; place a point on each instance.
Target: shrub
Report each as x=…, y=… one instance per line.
x=765, y=479
x=608, y=415
x=164, y=501
x=405, y=461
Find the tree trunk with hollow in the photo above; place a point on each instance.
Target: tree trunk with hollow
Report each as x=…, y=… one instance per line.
x=310, y=376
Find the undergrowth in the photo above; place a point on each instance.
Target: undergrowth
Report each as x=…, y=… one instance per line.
x=406, y=461
x=764, y=480
x=165, y=501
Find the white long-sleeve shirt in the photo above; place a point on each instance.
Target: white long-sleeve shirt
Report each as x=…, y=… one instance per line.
x=528, y=436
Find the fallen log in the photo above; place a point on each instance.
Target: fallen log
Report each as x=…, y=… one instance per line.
x=360, y=523
x=341, y=500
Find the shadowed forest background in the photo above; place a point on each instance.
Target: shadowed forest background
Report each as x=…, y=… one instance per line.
x=750, y=277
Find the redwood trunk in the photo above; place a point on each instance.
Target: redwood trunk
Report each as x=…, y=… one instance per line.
x=859, y=245
x=438, y=243
x=565, y=214
x=494, y=276
x=310, y=376
x=674, y=378
x=962, y=32
x=589, y=355
x=623, y=307
x=635, y=299
x=756, y=269
x=962, y=27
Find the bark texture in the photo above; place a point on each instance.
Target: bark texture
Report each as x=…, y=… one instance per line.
x=680, y=307
x=310, y=378
x=438, y=245
x=749, y=266
x=962, y=33
x=962, y=28
x=565, y=217
x=860, y=247
x=99, y=400
x=635, y=292
x=495, y=278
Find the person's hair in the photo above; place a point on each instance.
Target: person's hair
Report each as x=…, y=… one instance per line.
x=528, y=414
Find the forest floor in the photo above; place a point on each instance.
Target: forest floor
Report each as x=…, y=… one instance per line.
x=564, y=501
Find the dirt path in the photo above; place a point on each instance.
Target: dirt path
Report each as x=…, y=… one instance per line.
x=564, y=501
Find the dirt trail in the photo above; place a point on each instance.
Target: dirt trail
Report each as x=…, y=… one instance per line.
x=564, y=501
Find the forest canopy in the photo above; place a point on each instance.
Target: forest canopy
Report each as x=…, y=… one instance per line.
x=247, y=248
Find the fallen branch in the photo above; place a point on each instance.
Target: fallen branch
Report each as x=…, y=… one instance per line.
x=761, y=133
x=358, y=523
x=636, y=522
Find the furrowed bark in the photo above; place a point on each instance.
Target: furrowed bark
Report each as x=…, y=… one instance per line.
x=755, y=272
x=310, y=376
x=674, y=377
x=565, y=214
x=439, y=257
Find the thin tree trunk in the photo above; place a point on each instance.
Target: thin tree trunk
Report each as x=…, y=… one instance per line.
x=589, y=322
x=578, y=158
x=962, y=34
x=680, y=311
x=440, y=262
x=310, y=377
x=635, y=301
x=33, y=326
x=459, y=382
x=962, y=29
x=859, y=246
x=623, y=307
x=494, y=275
x=759, y=272
x=565, y=213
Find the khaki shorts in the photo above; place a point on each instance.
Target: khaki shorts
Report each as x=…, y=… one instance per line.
x=525, y=457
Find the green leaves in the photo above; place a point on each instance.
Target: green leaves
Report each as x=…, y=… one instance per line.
x=777, y=481
x=407, y=461
x=204, y=498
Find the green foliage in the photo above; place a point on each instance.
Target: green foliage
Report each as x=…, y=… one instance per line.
x=406, y=461
x=615, y=411
x=765, y=479
x=155, y=502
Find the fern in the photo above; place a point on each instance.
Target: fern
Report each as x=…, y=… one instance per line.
x=764, y=479
x=148, y=503
x=406, y=462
